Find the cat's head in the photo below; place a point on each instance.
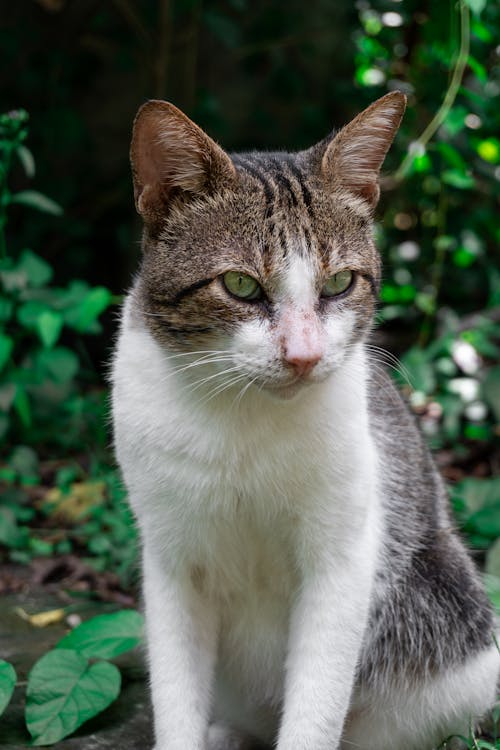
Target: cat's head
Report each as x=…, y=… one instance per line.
x=260, y=264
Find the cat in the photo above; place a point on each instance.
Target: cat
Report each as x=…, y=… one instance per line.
x=304, y=586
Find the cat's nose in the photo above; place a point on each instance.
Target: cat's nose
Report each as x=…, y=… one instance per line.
x=303, y=364
x=302, y=340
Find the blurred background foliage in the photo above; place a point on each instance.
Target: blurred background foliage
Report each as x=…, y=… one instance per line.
x=259, y=74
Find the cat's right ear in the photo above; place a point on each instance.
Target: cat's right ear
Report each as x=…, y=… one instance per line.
x=170, y=154
x=353, y=158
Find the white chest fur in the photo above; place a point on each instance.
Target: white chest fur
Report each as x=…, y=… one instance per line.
x=243, y=502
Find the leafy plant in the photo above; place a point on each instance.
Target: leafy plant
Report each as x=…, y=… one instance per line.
x=40, y=395
x=74, y=681
x=84, y=513
x=46, y=404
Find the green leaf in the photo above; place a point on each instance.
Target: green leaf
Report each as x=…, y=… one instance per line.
x=479, y=70
x=485, y=522
x=463, y=258
x=22, y=405
x=92, y=305
x=38, y=271
x=37, y=200
x=476, y=6
x=29, y=312
x=6, y=345
x=489, y=150
x=6, y=308
x=455, y=120
x=7, y=684
x=60, y=364
x=458, y=179
x=106, y=636
x=64, y=691
x=24, y=461
x=9, y=530
x=492, y=566
x=27, y=160
x=481, y=31
x=48, y=326
x=480, y=500
x=452, y=155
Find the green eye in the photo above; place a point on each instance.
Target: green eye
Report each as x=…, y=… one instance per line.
x=242, y=285
x=337, y=284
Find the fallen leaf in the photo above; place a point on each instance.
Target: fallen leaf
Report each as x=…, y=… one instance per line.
x=42, y=619
x=77, y=503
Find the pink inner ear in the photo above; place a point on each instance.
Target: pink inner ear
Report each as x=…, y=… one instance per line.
x=168, y=151
x=168, y=155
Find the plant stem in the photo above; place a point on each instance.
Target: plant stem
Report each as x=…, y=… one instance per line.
x=449, y=98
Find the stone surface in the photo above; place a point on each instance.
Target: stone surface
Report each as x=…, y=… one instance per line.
x=125, y=725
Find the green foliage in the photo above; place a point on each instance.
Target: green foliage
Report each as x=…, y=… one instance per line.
x=477, y=504
x=43, y=404
x=67, y=686
x=7, y=684
x=438, y=229
x=40, y=395
x=84, y=513
x=454, y=382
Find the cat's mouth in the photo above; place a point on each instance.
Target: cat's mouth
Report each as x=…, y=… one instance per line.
x=289, y=389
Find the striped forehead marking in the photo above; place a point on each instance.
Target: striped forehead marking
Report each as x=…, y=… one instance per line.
x=281, y=180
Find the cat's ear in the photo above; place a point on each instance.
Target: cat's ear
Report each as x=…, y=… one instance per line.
x=353, y=159
x=170, y=154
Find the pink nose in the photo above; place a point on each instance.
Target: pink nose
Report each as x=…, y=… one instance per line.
x=303, y=365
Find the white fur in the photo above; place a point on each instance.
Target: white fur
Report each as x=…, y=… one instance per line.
x=423, y=715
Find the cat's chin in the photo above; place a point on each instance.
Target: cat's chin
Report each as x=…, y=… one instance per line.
x=287, y=391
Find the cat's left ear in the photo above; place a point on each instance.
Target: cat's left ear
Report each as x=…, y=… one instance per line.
x=354, y=157
x=171, y=155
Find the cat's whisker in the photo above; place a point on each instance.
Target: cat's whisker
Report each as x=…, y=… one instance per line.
x=391, y=361
x=206, y=352
x=244, y=389
x=197, y=363
x=217, y=390
x=201, y=381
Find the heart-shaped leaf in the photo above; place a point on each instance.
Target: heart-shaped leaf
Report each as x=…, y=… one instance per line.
x=7, y=684
x=106, y=636
x=64, y=691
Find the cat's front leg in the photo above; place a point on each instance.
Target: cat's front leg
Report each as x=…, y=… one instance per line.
x=181, y=636
x=326, y=631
